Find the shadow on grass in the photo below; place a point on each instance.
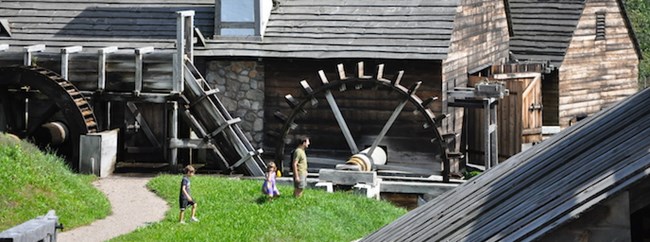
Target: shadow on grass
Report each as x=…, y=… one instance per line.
x=262, y=199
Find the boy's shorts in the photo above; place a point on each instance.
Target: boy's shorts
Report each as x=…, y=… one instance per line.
x=303, y=182
x=184, y=203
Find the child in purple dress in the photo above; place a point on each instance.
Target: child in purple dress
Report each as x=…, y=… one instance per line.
x=269, y=188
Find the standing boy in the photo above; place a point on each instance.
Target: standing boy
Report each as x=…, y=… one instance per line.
x=185, y=198
x=299, y=165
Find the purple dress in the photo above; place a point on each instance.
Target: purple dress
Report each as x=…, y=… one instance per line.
x=273, y=191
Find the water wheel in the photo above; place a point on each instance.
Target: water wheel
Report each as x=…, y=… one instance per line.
x=40, y=106
x=364, y=112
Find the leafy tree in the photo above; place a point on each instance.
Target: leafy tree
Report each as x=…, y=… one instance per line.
x=639, y=13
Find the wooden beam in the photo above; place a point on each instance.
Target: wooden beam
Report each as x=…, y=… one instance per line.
x=139, y=52
x=101, y=66
x=28, y=50
x=65, y=57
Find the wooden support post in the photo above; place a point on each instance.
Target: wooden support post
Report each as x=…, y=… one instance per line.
x=173, y=134
x=139, y=53
x=487, y=148
x=101, y=66
x=27, y=60
x=494, y=135
x=65, y=57
x=486, y=96
x=490, y=135
x=184, y=47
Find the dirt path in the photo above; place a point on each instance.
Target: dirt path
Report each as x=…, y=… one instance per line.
x=133, y=205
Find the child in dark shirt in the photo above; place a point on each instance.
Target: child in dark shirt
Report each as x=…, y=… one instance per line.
x=184, y=198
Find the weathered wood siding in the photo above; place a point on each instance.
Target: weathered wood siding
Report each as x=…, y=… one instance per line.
x=597, y=73
x=480, y=38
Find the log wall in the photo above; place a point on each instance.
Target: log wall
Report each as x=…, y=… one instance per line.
x=597, y=73
x=480, y=38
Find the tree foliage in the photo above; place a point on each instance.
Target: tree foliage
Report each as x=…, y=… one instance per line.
x=639, y=14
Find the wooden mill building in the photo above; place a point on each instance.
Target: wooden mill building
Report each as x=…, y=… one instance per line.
x=590, y=46
x=256, y=52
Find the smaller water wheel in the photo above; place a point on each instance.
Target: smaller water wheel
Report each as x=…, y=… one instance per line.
x=40, y=106
x=364, y=112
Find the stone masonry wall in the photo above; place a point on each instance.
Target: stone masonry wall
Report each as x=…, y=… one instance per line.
x=241, y=90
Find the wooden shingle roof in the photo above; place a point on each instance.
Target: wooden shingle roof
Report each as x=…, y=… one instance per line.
x=412, y=29
x=100, y=23
x=543, y=28
x=540, y=189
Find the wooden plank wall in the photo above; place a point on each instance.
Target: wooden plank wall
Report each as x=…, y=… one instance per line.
x=480, y=38
x=120, y=69
x=597, y=73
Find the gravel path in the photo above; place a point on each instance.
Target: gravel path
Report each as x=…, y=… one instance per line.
x=133, y=205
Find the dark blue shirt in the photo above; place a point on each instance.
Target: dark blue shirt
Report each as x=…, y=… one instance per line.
x=185, y=182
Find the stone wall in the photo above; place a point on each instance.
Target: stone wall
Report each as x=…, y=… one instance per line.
x=241, y=90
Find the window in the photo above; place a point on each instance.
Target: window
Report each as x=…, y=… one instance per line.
x=241, y=18
x=600, y=25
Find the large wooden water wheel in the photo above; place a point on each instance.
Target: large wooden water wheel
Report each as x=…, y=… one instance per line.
x=351, y=113
x=40, y=106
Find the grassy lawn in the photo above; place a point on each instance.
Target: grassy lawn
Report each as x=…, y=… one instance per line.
x=34, y=183
x=235, y=210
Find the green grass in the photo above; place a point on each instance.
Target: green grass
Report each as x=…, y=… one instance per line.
x=235, y=210
x=34, y=183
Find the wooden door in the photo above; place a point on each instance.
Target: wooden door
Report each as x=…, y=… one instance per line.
x=520, y=113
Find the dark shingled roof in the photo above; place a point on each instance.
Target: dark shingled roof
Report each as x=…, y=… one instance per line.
x=543, y=28
x=413, y=29
x=410, y=29
x=538, y=190
x=100, y=23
